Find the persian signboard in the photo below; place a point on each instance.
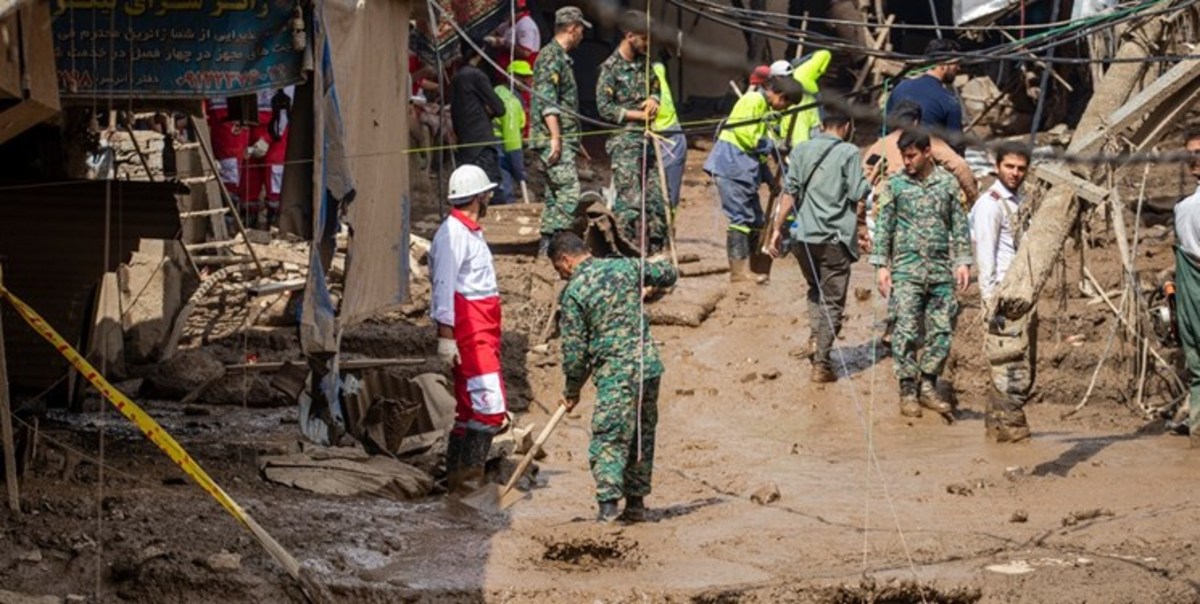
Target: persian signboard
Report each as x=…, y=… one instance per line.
x=173, y=48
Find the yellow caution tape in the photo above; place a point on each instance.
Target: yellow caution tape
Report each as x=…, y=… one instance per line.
x=149, y=427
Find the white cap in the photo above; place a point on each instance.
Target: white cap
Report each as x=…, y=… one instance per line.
x=781, y=68
x=468, y=181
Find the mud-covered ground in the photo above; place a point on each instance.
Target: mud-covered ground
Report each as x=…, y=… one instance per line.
x=1099, y=507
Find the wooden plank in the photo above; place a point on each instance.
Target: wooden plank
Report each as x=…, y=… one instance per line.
x=1179, y=77
x=1057, y=174
x=6, y=430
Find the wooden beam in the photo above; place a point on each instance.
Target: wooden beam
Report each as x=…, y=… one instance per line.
x=1181, y=76
x=1057, y=174
x=6, y=430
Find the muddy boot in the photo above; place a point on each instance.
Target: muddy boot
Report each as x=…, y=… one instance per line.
x=910, y=405
x=822, y=374
x=737, y=247
x=609, y=512
x=635, y=510
x=930, y=398
x=476, y=446
x=1004, y=421
x=454, y=447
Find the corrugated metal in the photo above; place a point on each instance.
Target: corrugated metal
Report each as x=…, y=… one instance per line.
x=52, y=247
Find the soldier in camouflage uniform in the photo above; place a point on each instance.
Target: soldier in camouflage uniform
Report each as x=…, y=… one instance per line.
x=606, y=335
x=627, y=93
x=555, y=132
x=923, y=246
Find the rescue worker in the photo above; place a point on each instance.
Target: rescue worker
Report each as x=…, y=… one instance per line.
x=758, y=77
x=826, y=184
x=1187, y=287
x=605, y=335
x=508, y=128
x=882, y=158
x=933, y=90
x=922, y=248
x=797, y=124
x=737, y=164
x=516, y=40
x=627, y=95
x=672, y=146
x=466, y=309
x=266, y=154
x=555, y=132
x=473, y=105
x=997, y=224
x=230, y=138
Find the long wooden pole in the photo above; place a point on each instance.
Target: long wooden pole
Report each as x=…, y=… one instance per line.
x=6, y=430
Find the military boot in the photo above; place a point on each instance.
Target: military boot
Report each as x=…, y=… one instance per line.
x=930, y=398
x=609, y=512
x=822, y=374
x=635, y=509
x=910, y=405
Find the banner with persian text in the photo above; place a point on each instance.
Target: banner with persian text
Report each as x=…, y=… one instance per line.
x=173, y=48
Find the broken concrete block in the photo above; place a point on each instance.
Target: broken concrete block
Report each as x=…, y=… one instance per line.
x=151, y=286
x=223, y=562
x=183, y=373
x=13, y=597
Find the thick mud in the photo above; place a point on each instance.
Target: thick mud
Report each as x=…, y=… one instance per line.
x=1099, y=507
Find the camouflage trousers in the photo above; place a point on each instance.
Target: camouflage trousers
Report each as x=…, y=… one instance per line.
x=928, y=305
x=617, y=435
x=1010, y=349
x=562, y=191
x=632, y=164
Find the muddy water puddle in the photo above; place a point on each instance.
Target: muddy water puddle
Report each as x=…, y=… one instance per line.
x=591, y=553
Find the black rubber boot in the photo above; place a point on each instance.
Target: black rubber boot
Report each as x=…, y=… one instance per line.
x=609, y=512
x=635, y=509
x=475, y=448
x=454, y=448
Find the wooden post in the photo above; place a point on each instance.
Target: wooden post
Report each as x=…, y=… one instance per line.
x=6, y=429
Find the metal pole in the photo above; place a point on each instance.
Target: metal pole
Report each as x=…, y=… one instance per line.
x=6, y=429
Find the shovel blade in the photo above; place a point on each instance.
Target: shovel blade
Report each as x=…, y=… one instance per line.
x=488, y=498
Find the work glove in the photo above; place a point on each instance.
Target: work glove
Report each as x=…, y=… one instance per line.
x=448, y=352
x=258, y=150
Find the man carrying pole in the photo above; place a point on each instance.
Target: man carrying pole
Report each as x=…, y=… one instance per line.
x=605, y=335
x=628, y=94
x=466, y=309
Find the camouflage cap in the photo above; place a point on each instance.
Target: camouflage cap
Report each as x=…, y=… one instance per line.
x=570, y=14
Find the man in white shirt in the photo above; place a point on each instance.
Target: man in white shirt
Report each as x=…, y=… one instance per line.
x=518, y=39
x=466, y=309
x=1187, y=286
x=997, y=225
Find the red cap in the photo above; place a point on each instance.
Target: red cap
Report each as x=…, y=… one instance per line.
x=760, y=75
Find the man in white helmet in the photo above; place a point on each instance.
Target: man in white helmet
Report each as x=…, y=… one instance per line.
x=466, y=309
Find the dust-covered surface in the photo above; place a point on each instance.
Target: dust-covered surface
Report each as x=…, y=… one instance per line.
x=1098, y=507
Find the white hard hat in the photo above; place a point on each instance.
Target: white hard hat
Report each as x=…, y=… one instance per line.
x=468, y=181
x=781, y=68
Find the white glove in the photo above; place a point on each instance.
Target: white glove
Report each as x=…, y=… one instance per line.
x=448, y=352
x=258, y=150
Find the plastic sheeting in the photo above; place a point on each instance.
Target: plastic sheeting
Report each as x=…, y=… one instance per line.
x=971, y=12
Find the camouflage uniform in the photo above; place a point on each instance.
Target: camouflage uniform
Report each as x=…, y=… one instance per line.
x=623, y=86
x=601, y=324
x=922, y=234
x=554, y=81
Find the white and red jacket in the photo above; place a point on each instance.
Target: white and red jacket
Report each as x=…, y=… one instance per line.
x=465, y=296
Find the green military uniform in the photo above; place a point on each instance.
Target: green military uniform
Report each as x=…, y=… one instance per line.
x=623, y=85
x=554, y=87
x=602, y=325
x=922, y=234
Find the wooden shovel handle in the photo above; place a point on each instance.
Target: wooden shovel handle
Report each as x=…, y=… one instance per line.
x=537, y=444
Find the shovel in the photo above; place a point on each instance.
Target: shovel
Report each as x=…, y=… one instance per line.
x=493, y=497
